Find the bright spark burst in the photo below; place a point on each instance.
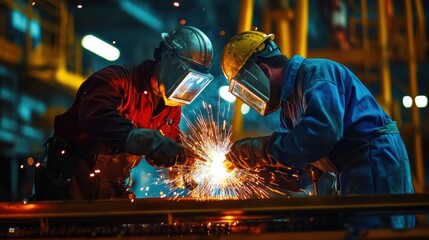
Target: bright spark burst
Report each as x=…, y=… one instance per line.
x=210, y=139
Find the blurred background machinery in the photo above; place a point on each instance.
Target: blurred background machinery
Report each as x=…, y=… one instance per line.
x=42, y=62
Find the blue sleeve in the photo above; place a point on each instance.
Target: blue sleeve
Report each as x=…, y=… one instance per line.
x=320, y=127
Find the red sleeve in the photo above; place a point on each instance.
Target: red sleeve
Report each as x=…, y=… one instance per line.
x=102, y=96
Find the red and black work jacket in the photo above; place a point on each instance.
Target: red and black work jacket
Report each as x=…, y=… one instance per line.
x=109, y=104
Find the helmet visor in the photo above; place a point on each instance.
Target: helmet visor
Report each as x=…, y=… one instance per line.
x=192, y=84
x=252, y=87
x=182, y=80
x=247, y=96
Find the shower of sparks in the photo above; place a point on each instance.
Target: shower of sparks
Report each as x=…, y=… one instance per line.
x=207, y=178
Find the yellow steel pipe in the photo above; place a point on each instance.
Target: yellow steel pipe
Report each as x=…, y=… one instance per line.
x=364, y=14
x=386, y=91
x=415, y=114
x=301, y=27
x=246, y=16
x=244, y=24
x=283, y=37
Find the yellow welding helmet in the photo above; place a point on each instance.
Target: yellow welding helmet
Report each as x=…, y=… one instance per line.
x=246, y=80
x=240, y=48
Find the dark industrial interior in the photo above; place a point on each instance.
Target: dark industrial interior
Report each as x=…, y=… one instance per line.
x=42, y=64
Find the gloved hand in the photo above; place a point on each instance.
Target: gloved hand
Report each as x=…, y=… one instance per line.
x=159, y=151
x=251, y=153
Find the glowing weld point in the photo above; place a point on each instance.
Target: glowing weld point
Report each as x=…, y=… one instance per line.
x=79, y=6
x=97, y=171
x=37, y=164
x=63, y=152
x=209, y=139
x=33, y=3
x=91, y=175
x=22, y=166
x=176, y=4
x=132, y=200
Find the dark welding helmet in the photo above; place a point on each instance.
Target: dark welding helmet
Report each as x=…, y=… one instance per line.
x=186, y=54
x=247, y=81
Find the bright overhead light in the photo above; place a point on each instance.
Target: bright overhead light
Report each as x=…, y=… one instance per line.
x=100, y=47
x=226, y=95
x=407, y=101
x=245, y=108
x=421, y=101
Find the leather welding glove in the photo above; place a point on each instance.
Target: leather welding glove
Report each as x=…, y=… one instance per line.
x=250, y=153
x=159, y=151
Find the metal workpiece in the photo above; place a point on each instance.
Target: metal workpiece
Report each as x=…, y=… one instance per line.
x=194, y=218
x=189, y=207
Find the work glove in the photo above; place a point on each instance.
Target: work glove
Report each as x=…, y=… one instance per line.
x=159, y=151
x=251, y=153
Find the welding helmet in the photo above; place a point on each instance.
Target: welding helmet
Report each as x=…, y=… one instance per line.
x=185, y=58
x=247, y=81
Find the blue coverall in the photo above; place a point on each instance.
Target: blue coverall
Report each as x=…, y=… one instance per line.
x=327, y=111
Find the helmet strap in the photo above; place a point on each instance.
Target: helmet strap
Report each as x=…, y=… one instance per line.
x=270, y=50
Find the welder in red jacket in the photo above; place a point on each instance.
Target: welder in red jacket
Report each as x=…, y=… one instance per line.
x=121, y=113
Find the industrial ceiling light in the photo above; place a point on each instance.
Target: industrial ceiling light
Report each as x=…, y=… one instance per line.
x=245, y=109
x=225, y=94
x=407, y=101
x=100, y=47
x=421, y=101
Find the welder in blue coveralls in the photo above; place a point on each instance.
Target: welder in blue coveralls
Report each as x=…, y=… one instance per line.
x=328, y=119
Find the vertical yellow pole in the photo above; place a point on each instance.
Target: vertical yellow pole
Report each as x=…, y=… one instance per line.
x=283, y=36
x=283, y=28
x=301, y=27
x=365, y=25
x=386, y=90
x=244, y=24
x=246, y=15
x=415, y=114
